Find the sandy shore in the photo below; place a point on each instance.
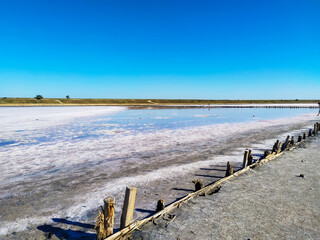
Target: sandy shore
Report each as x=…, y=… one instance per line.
x=269, y=202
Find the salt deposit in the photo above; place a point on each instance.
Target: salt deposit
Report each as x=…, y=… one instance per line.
x=63, y=164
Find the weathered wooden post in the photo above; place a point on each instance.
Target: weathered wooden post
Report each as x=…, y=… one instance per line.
x=292, y=141
x=304, y=136
x=299, y=138
x=229, y=169
x=160, y=205
x=109, y=215
x=275, y=146
x=250, y=157
x=104, y=225
x=198, y=184
x=99, y=227
x=310, y=133
x=279, y=148
x=128, y=207
x=285, y=145
x=315, y=128
x=266, y=154
x=245, y=158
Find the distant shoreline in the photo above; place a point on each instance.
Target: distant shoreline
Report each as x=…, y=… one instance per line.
x=159, y=103
x=143, y=106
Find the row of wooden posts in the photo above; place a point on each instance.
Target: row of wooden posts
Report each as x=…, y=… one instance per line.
x=279, y=146
x=104, y=225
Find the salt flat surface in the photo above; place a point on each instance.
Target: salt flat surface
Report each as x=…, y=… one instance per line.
x=62, y=165
x=269, y=202
x=302, y=105
x=27, y=118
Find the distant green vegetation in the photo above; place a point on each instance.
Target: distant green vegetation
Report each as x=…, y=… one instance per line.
x=80, y=101
x=38, y=97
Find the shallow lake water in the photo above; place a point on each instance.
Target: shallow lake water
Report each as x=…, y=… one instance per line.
x=38, y=125
x=60, y=162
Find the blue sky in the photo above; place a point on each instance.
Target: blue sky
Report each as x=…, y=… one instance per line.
x=217, y=49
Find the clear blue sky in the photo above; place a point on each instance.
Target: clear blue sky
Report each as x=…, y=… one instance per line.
x=215, y=49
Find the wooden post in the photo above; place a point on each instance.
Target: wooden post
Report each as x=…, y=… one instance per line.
x=128, y=207
x=245, y=158
x=304, y=136
x=99, y=227
x=315, y=129
x=198, y=184
x=292, y=141
x=160, y=205
x=310, y=133
x=250, y=158
x=299, y=138
x=108, y=212
x=266, y=153
x=229, y=169
x=285, y=145
x=275, y=146
x=279, y=148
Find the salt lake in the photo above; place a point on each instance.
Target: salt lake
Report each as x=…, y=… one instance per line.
x=60, y=162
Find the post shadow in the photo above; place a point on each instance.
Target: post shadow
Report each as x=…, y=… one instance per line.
x=150, y=212
x=210, y=176
x=68, y=234
x=182, y=189
x=79, y=224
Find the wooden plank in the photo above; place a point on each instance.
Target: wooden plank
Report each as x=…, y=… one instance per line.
x=128, y=207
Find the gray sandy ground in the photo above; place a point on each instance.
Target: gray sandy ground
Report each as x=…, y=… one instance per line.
x=269, y=202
